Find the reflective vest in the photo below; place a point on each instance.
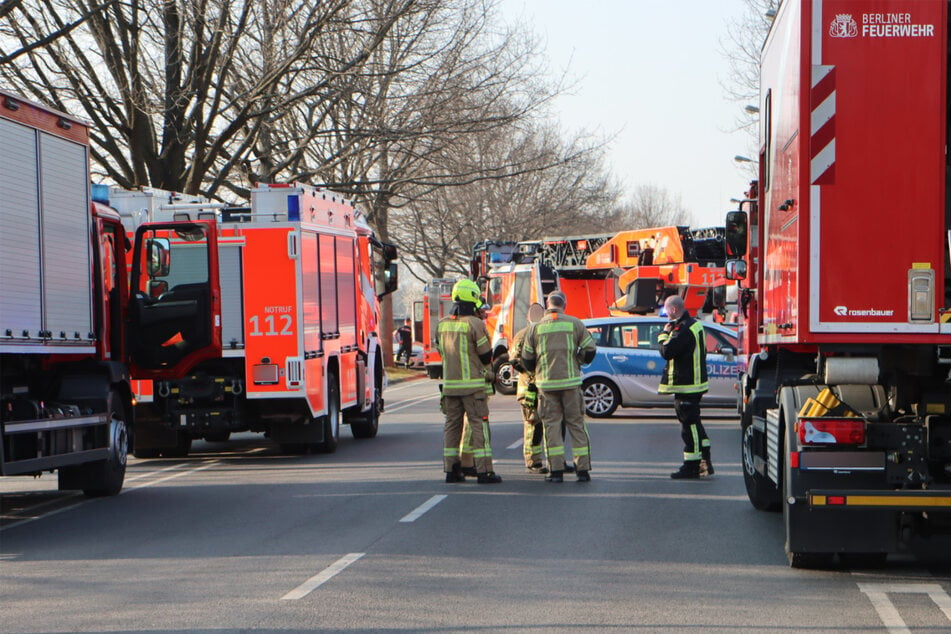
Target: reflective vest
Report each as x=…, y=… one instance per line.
x=460, y=341
x=556, y=343
x=685, y=350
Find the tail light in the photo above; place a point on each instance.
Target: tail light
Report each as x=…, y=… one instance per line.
x=831, y=431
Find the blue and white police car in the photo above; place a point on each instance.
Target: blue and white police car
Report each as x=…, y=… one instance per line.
x=627, y=367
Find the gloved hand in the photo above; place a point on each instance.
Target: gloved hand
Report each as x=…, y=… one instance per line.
x=489, y=375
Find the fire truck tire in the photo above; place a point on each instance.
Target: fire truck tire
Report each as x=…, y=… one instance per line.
x=367, y=425
x=331, y=421
x=506, y=379
x=106, y=477
x=601, y=397
x=763, y=494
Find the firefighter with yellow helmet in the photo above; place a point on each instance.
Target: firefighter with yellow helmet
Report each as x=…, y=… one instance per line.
x=464, y=346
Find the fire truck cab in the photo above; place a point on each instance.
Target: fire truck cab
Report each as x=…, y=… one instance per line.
x=262, y=318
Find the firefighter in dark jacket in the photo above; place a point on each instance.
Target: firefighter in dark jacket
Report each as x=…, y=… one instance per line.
x=464, y=346
x=683, y=345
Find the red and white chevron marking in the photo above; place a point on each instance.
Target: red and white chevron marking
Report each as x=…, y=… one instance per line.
x=822, y=128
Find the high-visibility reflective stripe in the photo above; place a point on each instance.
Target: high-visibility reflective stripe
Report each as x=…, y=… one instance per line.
x=667, y=386
x=547, y=327
x=697, y=330
x=459, y=328
x=450, y=452
x=454, y=383
x=581, y=451
x=558, y=384
x=695, y=441
x=556, y=451
x=683, y=389
x=553, y=329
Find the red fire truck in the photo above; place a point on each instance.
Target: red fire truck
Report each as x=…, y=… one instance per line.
x=262, y=318
x=65, y=399
x=843, y=265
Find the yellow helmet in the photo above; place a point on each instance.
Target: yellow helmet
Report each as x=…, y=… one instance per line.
x=467, y=291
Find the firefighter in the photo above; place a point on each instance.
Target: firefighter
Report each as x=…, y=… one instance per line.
x=527, y=395
x=683, y=345
x=554, y=349
x=464, y=346
x=466, y=455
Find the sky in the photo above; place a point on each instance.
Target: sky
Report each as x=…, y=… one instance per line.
x=650, y=71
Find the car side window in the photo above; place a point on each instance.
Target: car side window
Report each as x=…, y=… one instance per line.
x=597, y=333
x=717, y=340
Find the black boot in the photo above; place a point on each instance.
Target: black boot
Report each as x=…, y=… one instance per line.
x=490, y=477
x=556, y=476
x=455, y=475
x=689, y=470
x=706, y=465
x=469, y=471
x=583, y=476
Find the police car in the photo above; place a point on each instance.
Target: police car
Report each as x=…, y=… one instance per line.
x=627, y=366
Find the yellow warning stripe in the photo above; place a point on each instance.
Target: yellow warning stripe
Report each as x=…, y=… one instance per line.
x=884, y=501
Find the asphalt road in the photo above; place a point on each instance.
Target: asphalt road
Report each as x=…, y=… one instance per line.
x=237, y=538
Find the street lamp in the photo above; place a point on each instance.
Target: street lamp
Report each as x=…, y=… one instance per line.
x=743, y=159
x=751, y=109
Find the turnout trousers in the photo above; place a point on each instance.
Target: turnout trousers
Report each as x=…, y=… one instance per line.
x=696, y=443
x=533, y=436
x=475, y=407
x=557, y=407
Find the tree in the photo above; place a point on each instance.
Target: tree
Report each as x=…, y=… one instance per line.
x=560, y=188
x=653, y=206
x=741, y=48
x=178, y=92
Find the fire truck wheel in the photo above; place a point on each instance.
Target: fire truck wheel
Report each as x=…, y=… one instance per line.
x=506, y=379
x=601, y=397
x=331, y=421
x=368, y=425
x=106, y=477
x=763, y=494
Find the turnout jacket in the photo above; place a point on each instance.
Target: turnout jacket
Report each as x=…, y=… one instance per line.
x=554, y=348
x=461, y=341
x=684, y=347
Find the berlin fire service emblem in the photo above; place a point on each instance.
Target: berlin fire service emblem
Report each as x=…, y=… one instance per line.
x=843, y=26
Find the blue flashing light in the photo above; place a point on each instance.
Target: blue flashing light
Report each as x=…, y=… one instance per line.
x=293, y=207
x=100, y=193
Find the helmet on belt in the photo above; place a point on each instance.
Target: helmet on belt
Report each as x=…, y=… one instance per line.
x=467, y=291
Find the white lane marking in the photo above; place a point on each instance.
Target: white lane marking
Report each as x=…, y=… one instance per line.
x=207, y=465
x=45, y=515
x=322, y=577
x=147, y=474
x=877, y=593
x=417, y=401
x=124, y=490
x=422, y=508
x=515, y=445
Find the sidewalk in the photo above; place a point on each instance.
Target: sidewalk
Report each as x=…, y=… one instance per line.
x=398, y=375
